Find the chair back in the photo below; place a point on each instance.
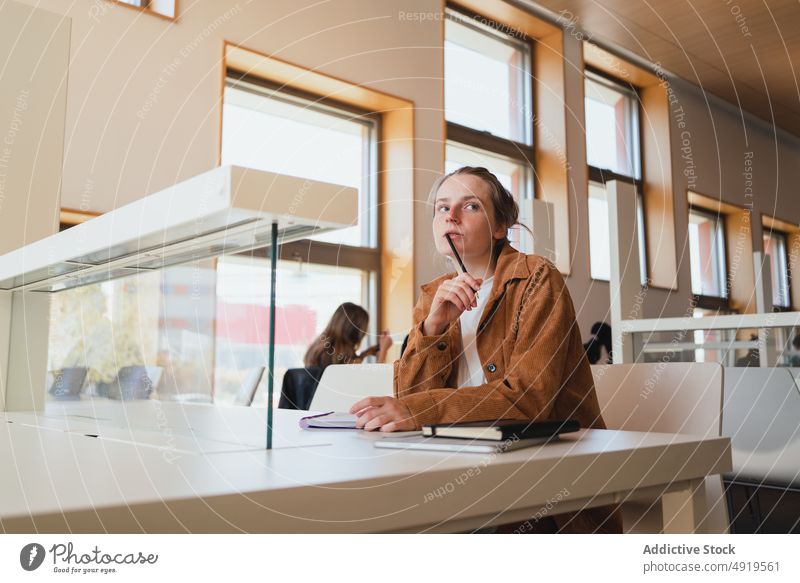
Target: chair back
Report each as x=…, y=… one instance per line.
x=67, y=383
x=342, y=385
x=247, y=392
x=680, y=397
x=298, y=388
x=762, y=418
x=135, y=382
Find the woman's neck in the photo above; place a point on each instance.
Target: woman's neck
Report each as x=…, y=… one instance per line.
x=481, y=268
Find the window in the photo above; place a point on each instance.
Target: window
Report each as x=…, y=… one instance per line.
x=292, y=133
x=488, y=103
x=599, y=235
x=612, y=126
x=279, y=132
x=487, y=78
x=707, y=255
x=162, y=7
x=306, y=296
x=613, y=153
x=512, y=174
x=775, y=248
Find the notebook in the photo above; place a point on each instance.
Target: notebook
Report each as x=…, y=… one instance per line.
x=420, y=442
x=501, y=430
x=329, y=420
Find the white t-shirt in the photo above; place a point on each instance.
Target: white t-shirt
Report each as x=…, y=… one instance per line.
x=470, y=369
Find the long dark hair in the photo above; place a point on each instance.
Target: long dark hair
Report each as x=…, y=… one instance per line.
x=338, y=342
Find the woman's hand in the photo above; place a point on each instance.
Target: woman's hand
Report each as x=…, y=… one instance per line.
x=453, y=297
x=384, y=413
x=371, y=351
x=384, y=344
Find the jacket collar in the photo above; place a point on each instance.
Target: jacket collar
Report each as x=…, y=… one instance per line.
x=511, y=265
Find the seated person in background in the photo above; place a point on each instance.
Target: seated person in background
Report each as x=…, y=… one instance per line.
x=793, y=355
x=498, y=342
x=752, y=358
x=601, y=338
x=339, y=341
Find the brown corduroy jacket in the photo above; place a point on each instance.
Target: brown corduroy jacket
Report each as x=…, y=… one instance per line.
x=534, y=363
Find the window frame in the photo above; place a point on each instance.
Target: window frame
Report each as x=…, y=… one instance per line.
x=366, y=258
x=603, y=175
x=635, y=94
x=484, y=141
x=785, y=237
x=145, y=6
x=703, y=301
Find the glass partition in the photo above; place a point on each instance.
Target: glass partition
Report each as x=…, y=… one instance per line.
x=193, y=333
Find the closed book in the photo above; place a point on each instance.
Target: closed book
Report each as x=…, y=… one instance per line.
x=420, y=442
x=501, y=430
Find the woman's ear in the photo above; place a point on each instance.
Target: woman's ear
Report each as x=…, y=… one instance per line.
x=500, y=232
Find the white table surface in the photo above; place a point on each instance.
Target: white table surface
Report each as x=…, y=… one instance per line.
x=168, y=467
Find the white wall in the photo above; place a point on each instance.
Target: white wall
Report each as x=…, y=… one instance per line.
x=34, y=45
x=33, y=92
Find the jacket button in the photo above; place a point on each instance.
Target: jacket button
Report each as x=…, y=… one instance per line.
x=441, y=345
x=491, y=367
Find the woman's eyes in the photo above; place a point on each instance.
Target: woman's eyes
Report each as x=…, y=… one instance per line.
x=470, y=206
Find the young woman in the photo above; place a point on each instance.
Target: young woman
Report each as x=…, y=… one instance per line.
x=341, y=338
x=500, y=342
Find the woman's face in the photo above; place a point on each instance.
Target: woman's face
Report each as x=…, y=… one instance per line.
x=463, y=208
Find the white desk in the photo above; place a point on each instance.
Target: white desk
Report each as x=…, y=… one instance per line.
x=167, y=467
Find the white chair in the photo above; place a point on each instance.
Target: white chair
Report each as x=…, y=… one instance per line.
x=665, y=398
x=762, y=418
x=154, y=374
x=795, y=372
x=342, y=385
x=247, y=391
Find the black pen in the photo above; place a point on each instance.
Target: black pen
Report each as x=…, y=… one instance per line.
x=458, y=257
